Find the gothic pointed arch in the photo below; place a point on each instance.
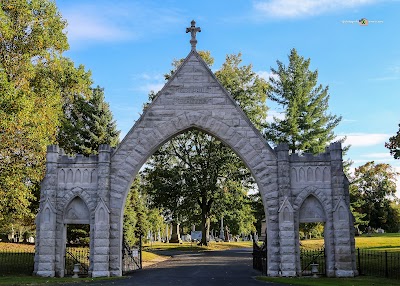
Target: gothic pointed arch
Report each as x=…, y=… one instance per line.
x=77, y=212
x=192, y=99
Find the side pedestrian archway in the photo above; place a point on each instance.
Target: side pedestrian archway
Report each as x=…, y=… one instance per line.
x=94, y=188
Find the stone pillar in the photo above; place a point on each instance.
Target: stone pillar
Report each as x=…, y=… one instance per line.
x=226, y=234
x=175, y=236
x=101, y=231
x=287, y=237
x=344, y=251
x=101, y=246
x=45, y=250
x=221, y=231
x=103, y=172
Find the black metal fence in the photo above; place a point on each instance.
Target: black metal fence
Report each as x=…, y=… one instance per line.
x=131, y=258
x=308, y=257
x=369, y=262
x=14, y=262
x=260, y=258
x=77, y=255
x=378, y=263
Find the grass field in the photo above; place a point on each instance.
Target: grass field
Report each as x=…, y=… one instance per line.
x=358, y=281
x=188, y=246
x=387, y=241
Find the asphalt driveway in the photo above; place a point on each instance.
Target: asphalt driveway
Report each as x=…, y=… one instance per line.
x=208, y=268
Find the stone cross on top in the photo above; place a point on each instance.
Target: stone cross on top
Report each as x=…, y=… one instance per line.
x=193, y=30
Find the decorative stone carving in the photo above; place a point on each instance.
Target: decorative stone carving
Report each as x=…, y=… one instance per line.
x=77, y=212
x=47, y=215
x=312, y=211
x=340, y=211
x=286, y=211
x=102, y=213
x=310, y=174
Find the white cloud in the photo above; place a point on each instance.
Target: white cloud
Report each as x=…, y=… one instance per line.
x=384, y=78
x=118, y=21
x=273, y=113
x=377, y=155
x=365, y=139
x=266, y=75
x=156, y=87
x=84, y=25
x=146, y=82
x=305, y=8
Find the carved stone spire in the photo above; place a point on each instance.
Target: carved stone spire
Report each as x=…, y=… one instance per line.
x=193, y=30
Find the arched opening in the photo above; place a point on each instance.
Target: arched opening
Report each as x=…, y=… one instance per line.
x=76, y=234
x=311, y=237
x=195, y=182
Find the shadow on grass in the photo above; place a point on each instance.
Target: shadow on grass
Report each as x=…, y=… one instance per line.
x=35, y=280
x=323, y=281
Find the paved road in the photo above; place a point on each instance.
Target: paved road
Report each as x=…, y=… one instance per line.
x=219, y=268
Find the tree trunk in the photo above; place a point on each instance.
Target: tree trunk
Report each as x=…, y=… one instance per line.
x=204, y=225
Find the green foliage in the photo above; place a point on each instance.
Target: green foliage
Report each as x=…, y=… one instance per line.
x=373, y=193
x=257, y=207
x=356, y=204
x=246, y=87
x=307, y=127
x=311, y=230
x=139, y=219
x=240, y=218
x=31, y=44
x=78, y=234
x=86, y=124
x=394, y=145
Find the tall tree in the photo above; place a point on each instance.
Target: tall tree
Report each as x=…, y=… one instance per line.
x=306, y=127
x=394, y=145
x=139, y=217
x=203, y=169
x=87, y=123
x=135, y=215
x=375, y=185
x=31, y=65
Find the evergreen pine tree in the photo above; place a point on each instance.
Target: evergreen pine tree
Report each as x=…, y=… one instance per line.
x=306, y=127
x=88, y=124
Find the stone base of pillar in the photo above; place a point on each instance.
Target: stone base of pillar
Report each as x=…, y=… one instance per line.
x=289, y=273
x=100, y=274
x=45, y=273
x=345, y=273
x=273, y=273
x=114, y=273
x=330, y=273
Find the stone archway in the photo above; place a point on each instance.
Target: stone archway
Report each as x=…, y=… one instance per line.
x=193, y=99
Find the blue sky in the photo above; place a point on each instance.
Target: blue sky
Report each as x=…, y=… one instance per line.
x=129, y=45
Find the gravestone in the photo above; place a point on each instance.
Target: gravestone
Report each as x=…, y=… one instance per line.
x=175, y=236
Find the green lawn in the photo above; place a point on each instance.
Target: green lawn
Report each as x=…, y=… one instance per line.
x=357, y=281
x=386, y=241
x=188, y=246
x=32, y=280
